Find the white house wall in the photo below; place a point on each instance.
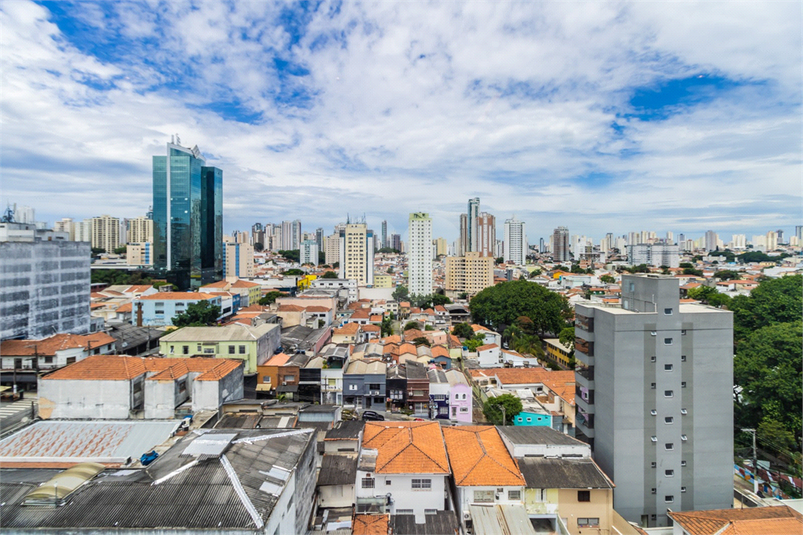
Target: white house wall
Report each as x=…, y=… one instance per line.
x=77, y=399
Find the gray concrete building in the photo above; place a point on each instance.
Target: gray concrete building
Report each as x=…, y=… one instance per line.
x=44, y=283
x=655, y=398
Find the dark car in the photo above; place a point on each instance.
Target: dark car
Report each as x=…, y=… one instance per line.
x=371, y=415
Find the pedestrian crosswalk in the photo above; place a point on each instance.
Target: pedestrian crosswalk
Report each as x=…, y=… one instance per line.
x=11, y=409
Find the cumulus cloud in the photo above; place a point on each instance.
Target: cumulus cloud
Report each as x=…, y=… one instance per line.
x=315, y=111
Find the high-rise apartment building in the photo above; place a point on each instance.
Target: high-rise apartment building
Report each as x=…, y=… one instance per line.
x=105, y=233
x=238, y=259
x=772, y=241
x=486, y=234
x=739, y=241
x=464, y=243
x=187, y=218
x=44, y=283
x=473, y=214
x=258, y=236
x=470, y=273
x=441, y=247
x=332, y=249
x=711, y=240
x=66, y=225
x=560, y=244
x=308, y=252
x=799, y=233
x=140, y=230
x=384, y=242
x=395, y=242
x=655, y=398
x=357, y=254
x=319, y=239
x=139, y=254
x=653, y=254
x=515, y=242
x=419, y=259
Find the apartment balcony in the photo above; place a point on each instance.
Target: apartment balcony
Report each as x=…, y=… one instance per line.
x=584, y=346
x=331, y=388
x=374, y=393
x=584, y=398
x=585, y=377
x=584, y=420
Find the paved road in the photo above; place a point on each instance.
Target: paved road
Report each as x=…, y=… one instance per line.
x=13, y=413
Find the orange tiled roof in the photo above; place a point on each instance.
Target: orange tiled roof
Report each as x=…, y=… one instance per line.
x=349, y=328
x=439, y=351
x=412, y=334
x=138, y=288
x=315, y=308
x=477, y=328
x=487, y=347
x=291, y=308
x=478, y=457
x=277, y=360
x=407, y=348
x=392, y=339
x=361, y=314
x=407, y=447
x=751, y=521
x=176, y=296
x=244, y=284
x=57, y=342
x=119, y=368
x=127, y=307
x=370, y=525
x=376, y=317
x=371, y=328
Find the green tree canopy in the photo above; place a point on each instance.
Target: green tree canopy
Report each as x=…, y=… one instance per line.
x=198, y=314
x=412, y=325
x=493, y=409
x=292, y=255
x=499, y=306
x=259, y=247
x=294, y=272
x=270, y=298
x=329, y=275
x=429, y=301
x=463, y=330
x=710, y=296
x=386, y=326
x=607, y=279
x=773, y=301
x=767, y=366
x=388, y=250
x=566, y=337
x=421, y=341
x=120, y=250
x=727, y=274
x=400, y=293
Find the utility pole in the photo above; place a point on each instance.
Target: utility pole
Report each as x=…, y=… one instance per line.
x=755, y=460
x=504, y=416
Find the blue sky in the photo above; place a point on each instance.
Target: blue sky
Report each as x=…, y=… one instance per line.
x=609, y=117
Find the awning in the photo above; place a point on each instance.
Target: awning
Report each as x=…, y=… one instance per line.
x=264, y=387
x=288, y=388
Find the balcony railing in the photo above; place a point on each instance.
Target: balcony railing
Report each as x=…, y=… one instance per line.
x=584, y=322
x=586, y=373
x=584, y=347
x=584, y=393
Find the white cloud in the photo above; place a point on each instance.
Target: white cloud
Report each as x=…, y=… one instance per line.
x=414, y=108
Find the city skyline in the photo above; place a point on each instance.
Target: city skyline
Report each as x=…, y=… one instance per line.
x=561, y=116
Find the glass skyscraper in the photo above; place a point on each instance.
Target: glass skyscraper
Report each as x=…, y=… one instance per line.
x=187, y=218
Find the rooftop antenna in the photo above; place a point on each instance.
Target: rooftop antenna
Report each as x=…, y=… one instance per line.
x=178, y=140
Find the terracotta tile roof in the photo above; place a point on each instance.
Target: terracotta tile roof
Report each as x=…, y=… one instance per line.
x=405, y=304
x=412, y=334
x=407, y=447
x=407, y=348
x=120, y=368
x=440, y=308
x=750, y=521
x=361, y=314
x=219, y=284
x=277, y=360
x=370, y=525
x=244, y=284
x=454, y=341
x=317, y=309
x=371, y=328
x=517, y=376
x=349, y=328
x=439, y=351
x=291, y=308
x=57, y=342
x=392, y=339
x=477, y=328
x=138, y=289
x=478, y=457
x=176, y=296
x=93, y=306
x=376, y=318
x=128, y=307
x=486, y=347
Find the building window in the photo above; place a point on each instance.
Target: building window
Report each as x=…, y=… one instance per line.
x=667, y=341
x=682, y=463
x=684, y=412
x=669, y=499
x=242, y=350
x=652, y=358
x=387, y=482
x=669, y=473
x=683, y=384
x=368, y=482
x=653, y=490
x=668, y=420
x=289, y=378
x=583, y=495
x=186, y=350
x=405, y=512
x=653, y=464
x=668, y=311
x=172, y=349
x=669, y=446
x=683, y=358
x=422, y=484
x=652, y=386
x=483, y=496
x=266, y=379
x=682, y=489
x=669, y=394
x=668, y=367
x=587, y=522
x=514, y=495
x=231, y=350
x=352, y=387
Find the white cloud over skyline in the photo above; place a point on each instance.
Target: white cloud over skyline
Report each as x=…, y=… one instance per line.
x=609, y=117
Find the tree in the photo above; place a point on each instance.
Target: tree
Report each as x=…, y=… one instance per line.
x=198, y=314
x=463, y=330
x=500, y=305
x=97, y=251
x=270, y=298
x=429, y=327
x=692, y=271
x=535, y=273
x=709, y=296
x=686, y=265
x=292, y=255
x=321, y=257
x=329, y=275
x=607, y=279
x=386, y=327
x=294, y=272
x=473, y=343
x=493, y=409
x=773, y=301
x=727, y=274
x=566, y=337
x=400, y=293
x=412, y=325
x=390, y=270
x=390, y=250
x=767, y=367
x=259, y=247
x=500, y=260
x=120, y=250
x=421, y=341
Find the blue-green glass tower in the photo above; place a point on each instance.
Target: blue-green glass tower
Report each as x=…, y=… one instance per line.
x=187, y=218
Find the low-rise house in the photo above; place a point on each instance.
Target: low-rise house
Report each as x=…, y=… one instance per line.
x=55, y=351
x=491, y=337
x=281, y=374
x=319, y=316
x=517, y=360
x=344, y=437
x=778, y=520
x=441, y=357
x=160, y=308
x=488, y=356
x=370, y=332
x=119, y=387
x=396, y=384
x=483, y=470
x=336, y=480
x=364, y=384
x=253, y=345
x=557, y=352
x=417, y=389
x=439, y=389
x=228, y=482
x=460, y=397
x=309, y=381
x=347, y=334
x=335, y=361
x=403, y=469
x=292, y=315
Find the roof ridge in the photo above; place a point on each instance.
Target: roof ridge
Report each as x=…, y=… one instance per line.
x=436, y=463
x=492, y=458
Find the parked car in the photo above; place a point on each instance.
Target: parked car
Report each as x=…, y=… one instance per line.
x=372, y=415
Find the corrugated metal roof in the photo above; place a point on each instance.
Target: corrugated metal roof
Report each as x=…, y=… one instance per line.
x=98, y=441
x=337, y=469
x=501, y=520
x=551, y=473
